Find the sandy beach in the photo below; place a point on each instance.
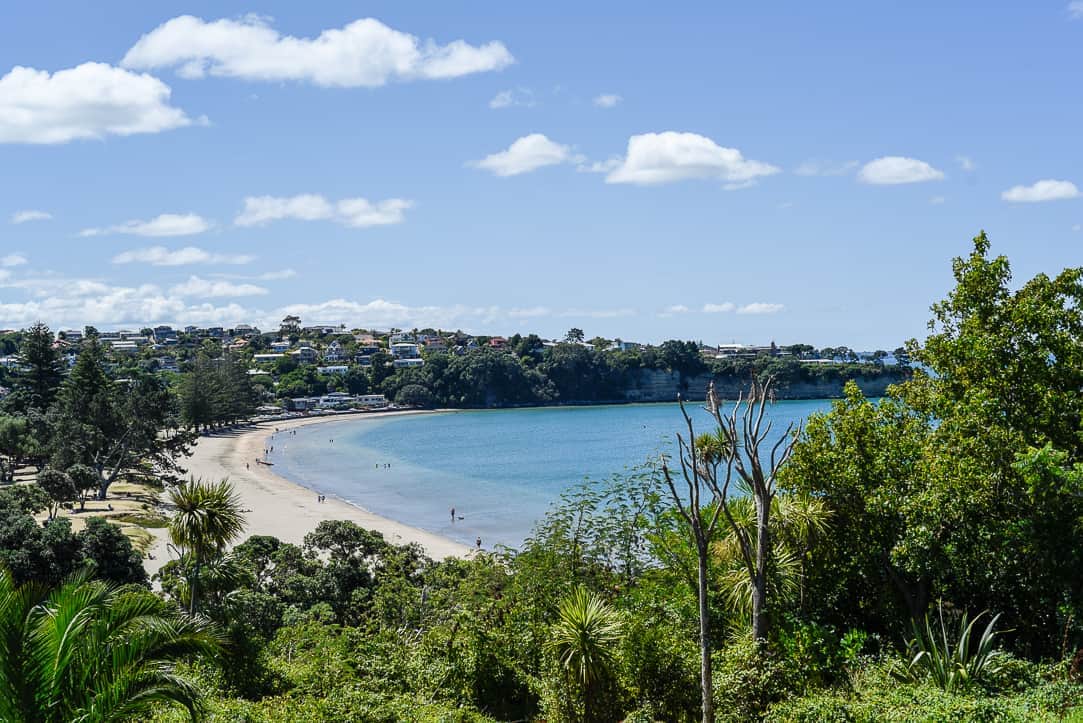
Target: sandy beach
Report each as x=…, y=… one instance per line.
x=282, y=508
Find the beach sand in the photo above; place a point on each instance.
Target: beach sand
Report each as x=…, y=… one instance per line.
x=275, y=506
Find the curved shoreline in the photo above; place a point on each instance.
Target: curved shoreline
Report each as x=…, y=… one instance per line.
x=284, y=509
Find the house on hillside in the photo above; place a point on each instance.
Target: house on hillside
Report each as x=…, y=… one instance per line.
x=305, y=355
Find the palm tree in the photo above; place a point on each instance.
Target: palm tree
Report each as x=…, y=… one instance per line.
x=796, y=522
x=85, y=651
x=584, y=640
x=208, y=517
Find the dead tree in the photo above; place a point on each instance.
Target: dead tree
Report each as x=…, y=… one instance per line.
x=710, y=466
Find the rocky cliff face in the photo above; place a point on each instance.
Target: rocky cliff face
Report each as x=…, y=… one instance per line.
x=655, y=385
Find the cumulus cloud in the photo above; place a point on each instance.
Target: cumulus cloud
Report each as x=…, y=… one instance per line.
x=92, y=100
x=74, y=302
x=354, y=212
x=162, y=256
x=30, y=215
x=656, y=158
x=723, y=308
x=607, y=100
x=363, y=53
x=12, y=260
x=206, y=288
x=1046, y=190
x=815, y=167
x=893, y=170
x=167, y=224
x=1075, y=10
x=760, y=307
x=937, y=200
x=526, y=154
x=523, y=97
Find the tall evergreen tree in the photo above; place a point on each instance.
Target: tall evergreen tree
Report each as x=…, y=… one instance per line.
x=114, y=426
x=40, y=372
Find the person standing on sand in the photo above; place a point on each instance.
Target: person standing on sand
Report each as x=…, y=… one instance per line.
x=453, y=515
x=478, y=543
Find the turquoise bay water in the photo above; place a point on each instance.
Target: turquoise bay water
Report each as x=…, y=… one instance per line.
x=500, y=469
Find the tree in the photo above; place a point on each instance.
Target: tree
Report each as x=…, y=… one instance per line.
x=114, y=426
x=584, y=640
x=59, y=486
x=290, y=325
x=208, y=517
x=414, y=395
x=14, y=444
x=115, y=560
x=574, y=336
x=711, y=466
x=39, y=374
x=87, y=651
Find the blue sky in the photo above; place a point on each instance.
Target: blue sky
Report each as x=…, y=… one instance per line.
x=801, y=172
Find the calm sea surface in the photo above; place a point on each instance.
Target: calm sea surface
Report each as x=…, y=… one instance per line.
x=500, y=469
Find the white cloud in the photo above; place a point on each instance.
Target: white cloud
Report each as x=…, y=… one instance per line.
x=277, y=275
x=605, y=166
x=92, y=100
x=966, y=163
x=355, y=212
x=937, y=200
x=892, y=170
x=161, y=256
x=13, y=260
x=815, y=167
x=526, y=154
x=597, y=313
x=74, y=302
x=363, y=53
x=532, y=312
x=674, y=309
x=1046, y=190
x=723, y=308
x=167, y=224
x=760, y=307
x=1077, y=227
x=205, y=288
x=607, y=100
x=523, y=97
x=1075, y=10
x=30, y=215
x=655, y=158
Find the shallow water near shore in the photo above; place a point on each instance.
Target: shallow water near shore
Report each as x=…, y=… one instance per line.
x=500, y=469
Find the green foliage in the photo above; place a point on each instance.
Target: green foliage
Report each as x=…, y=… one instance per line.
x=874, y=695
x=114, y=558
x=952, y=663
x=88, y=651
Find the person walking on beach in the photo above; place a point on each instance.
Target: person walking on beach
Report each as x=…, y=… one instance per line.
x=453, y=515
x=478, y=543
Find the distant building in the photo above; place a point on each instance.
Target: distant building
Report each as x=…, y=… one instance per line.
x=73, y=335
x=333, y=369
x=334, y=352
x=498, y=342
x=281, y=346
x=267, y=358
x=305, y=355
x=405, y=350
x=402, y=363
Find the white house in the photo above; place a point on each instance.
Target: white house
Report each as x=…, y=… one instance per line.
x=333, y=369
x=305, y=355
x=400, y=363
x=405, y=350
